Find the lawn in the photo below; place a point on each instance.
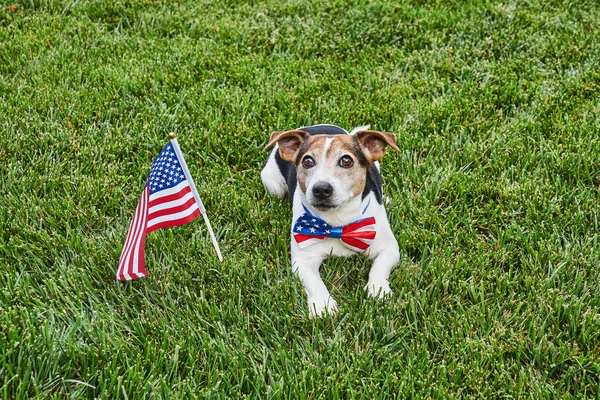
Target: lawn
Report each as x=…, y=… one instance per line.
x=494, y=198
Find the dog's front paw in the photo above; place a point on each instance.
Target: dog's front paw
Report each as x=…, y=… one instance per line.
x=378, y=290
x=321, y=307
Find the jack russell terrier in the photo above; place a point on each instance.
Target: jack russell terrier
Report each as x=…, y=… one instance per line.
x=333, y=179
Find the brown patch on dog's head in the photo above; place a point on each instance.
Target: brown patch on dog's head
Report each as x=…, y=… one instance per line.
x=289, y=143
x=374, y=143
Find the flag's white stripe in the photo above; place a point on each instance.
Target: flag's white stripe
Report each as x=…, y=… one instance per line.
x=170, y=204
x=136, y=252
x=169, y=191
x=171, y=217
x=120, y=270
x=133, y=232
x=138, y=232
x=135, y=224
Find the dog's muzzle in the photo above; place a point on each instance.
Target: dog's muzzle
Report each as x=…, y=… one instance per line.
x=322, y=196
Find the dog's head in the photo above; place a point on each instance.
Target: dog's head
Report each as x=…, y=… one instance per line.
x=332, y=169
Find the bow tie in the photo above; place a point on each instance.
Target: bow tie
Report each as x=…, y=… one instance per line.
x=357, y=235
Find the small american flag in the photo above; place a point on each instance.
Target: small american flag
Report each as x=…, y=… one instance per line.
x=169, y=199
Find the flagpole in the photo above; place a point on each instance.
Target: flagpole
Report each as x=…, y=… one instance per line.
x=173, y=137
x=212, y=237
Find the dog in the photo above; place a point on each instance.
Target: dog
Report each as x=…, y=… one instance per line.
x=334, y=182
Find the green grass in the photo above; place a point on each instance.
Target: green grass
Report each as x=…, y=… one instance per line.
x=494, y=198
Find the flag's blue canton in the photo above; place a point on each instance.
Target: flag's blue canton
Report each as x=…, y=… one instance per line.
x=166, y=171
x=308, y=224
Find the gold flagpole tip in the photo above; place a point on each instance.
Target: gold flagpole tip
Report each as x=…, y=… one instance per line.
x=172, y=135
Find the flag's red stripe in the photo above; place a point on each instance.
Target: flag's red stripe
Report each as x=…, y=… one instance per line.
x=141, y=267
x=172, y=197
x=359, y=224
x=136, y=229
x=359, y=244
x=173, y=210
x=175, y=222
x=129, y=238
x=138, y=238
x=139, y=235
x=137, y=261
x=127, y=244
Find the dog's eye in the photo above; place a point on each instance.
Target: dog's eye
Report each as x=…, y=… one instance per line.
x=308, y=162
x=346, y=162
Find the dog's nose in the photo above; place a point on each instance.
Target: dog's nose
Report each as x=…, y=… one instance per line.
x=322, y=190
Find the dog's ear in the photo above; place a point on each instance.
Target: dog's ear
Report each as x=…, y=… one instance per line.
x=289, y=143
x=374, y=143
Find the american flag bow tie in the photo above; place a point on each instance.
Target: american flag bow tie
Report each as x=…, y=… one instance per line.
x=357, y=235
